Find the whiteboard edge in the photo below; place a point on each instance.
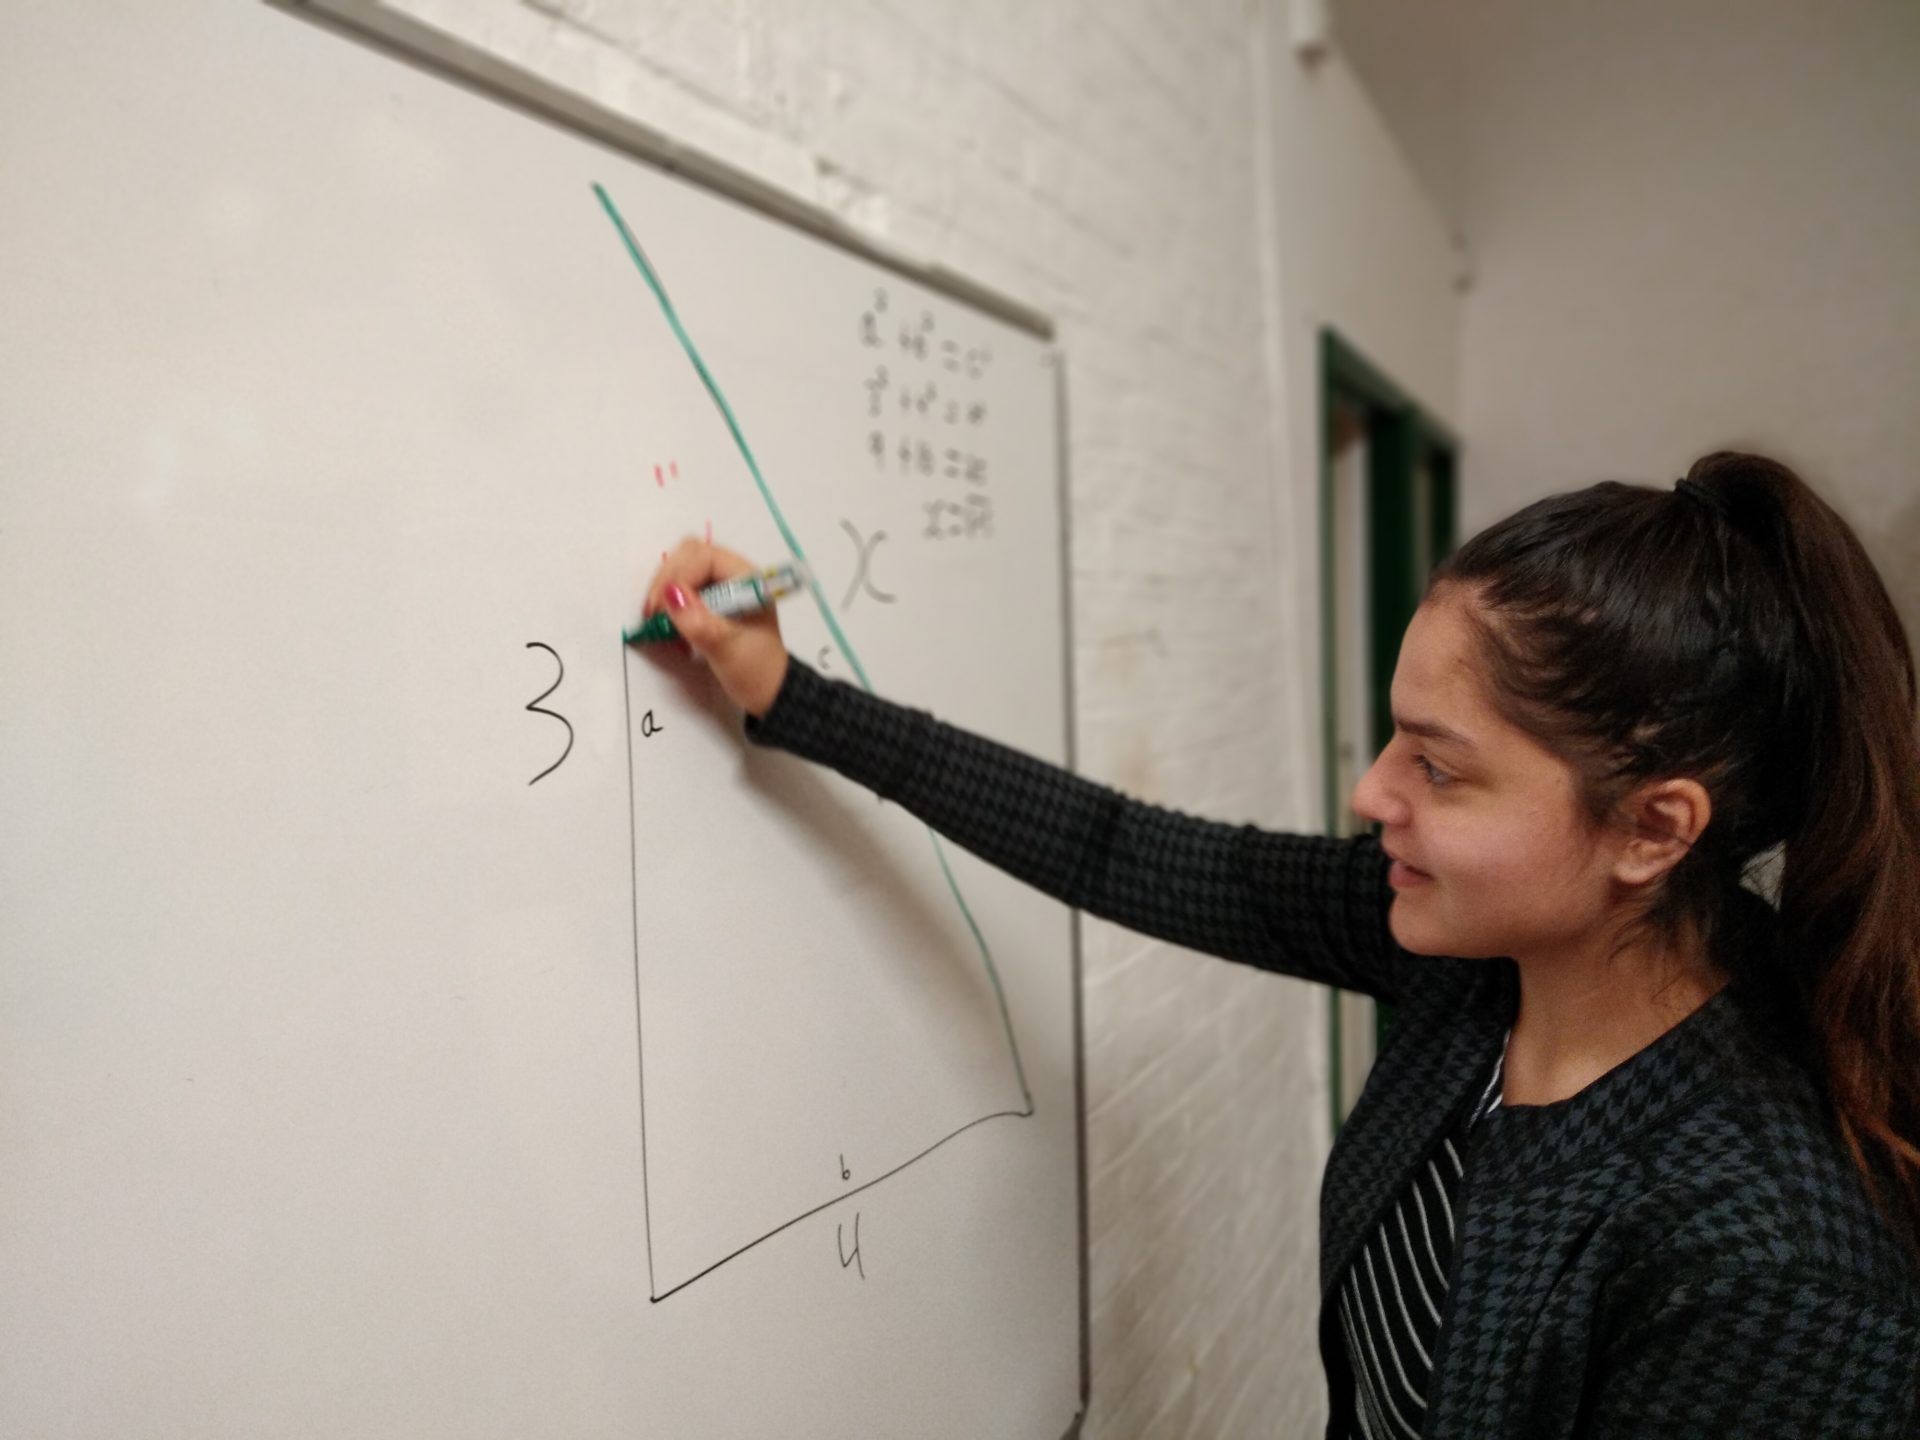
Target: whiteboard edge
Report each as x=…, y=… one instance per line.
x=1064, y=500
x=448, y=57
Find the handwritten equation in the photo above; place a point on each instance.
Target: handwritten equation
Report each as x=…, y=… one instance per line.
x=926, y=416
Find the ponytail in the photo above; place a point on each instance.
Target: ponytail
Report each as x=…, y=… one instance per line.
x=1734, y=630
x=1849, y=892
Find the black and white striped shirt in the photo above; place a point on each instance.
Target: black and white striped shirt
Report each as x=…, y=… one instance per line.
x=1395, y=1290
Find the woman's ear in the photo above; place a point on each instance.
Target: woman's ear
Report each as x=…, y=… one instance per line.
x=1665, y=817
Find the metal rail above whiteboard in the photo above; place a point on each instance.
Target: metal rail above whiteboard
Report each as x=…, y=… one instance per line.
x=466, y=64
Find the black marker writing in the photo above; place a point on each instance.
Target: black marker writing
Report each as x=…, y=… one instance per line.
x=840, y=1239
x=648, y=727
x=947, y=519
x=864, y=549
x=535, y=706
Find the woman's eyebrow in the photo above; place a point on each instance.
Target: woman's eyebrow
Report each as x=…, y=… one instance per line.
x=1432, y=730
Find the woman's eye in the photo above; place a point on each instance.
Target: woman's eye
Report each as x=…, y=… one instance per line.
x=1434, y=776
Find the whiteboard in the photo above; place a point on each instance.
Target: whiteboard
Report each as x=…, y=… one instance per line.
x=421, y=1015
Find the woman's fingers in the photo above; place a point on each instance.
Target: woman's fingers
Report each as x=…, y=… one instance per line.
x=693, y=565
x=745, y=653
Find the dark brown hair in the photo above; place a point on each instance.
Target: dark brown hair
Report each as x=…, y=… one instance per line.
x=1734, y=630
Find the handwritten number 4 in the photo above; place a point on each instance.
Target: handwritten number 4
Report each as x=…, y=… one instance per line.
x=535, y=706
x=850, y=1257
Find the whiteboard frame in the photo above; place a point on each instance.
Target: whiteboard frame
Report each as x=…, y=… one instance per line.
x=452, y=59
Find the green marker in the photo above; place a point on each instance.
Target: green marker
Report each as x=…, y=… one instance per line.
x=744, y=595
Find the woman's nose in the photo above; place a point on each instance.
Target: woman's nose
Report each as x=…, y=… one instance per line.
x=1373, y=801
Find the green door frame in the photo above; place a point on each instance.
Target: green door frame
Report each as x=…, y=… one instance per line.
x=1403, y=443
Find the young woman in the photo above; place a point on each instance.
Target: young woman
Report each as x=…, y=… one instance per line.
x=1639, y=1157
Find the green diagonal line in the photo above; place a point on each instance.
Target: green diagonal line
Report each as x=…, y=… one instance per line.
x=819, y=600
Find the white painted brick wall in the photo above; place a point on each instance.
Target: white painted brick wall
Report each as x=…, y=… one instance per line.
x=1097, y=160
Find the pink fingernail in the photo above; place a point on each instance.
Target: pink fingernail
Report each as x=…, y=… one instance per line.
x=676, y=598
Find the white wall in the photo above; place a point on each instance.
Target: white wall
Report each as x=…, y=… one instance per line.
x=1112, y=165
x=1364, y=251
x=1693, y=225
x=1362, y=246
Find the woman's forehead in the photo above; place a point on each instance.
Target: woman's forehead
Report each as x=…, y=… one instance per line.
x=1436, y=685
x=1439, y=692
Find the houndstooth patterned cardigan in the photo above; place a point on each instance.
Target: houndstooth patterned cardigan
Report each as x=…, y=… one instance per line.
x=1681, y=1249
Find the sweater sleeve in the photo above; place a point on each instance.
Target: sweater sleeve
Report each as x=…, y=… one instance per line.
x=1302, y=905
x=1740, y=1352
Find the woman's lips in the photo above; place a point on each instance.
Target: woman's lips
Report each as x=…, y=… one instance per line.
x=1402, y=875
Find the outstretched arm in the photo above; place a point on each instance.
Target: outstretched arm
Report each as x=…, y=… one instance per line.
x=1302, y=905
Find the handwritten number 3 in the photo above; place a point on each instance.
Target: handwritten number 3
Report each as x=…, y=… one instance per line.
x=535, y=707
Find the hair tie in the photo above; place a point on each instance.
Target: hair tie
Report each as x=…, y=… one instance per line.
x=1700, y=494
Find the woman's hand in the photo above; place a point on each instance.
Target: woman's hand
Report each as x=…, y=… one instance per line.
x=745, y=653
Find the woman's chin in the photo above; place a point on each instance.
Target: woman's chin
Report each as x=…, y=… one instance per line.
x=1412, y=935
